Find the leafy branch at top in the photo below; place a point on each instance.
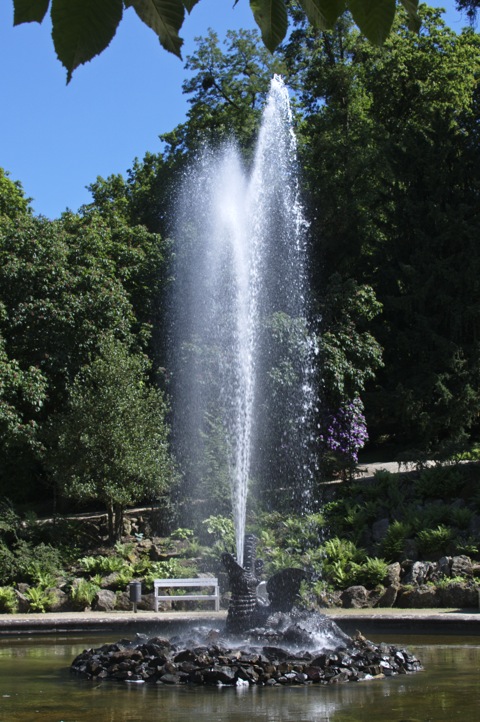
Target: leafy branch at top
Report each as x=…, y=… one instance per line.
x=82, y=29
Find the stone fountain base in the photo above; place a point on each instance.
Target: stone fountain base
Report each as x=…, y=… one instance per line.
x=293, y=649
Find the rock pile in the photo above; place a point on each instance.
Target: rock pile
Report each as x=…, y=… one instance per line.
x=215, y=662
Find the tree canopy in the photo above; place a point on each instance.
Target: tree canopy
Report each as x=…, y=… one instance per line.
x=111, y=442
x=388, y=145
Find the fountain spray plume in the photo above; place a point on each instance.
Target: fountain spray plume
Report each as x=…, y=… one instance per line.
x=243, y=366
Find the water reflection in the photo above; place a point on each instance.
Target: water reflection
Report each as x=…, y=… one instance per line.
x=35, y=684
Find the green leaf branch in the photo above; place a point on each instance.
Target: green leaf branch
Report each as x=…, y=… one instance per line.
x=82, y=29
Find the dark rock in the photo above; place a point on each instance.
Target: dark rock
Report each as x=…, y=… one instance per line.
x=123, y=602
x=458, y=595
x=170, y=679
x=461, y=566
x=111, y=580
x=419, y=573
x=104, y=601
x=138, y=662
x=220, y=675
x=388, y=596
x=423, y=597
x=61, y=602
x=22, y=600
x=393, y=574
x=444, y=567
x=355, y=597
x=186, y=655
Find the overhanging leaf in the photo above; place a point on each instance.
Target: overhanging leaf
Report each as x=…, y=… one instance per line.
x=165, y=17
x=271, y=18
x=190, y=4
x=373, y=17
x=414, y=22
x=29, y=11
x=323, y=14
x=81, y=29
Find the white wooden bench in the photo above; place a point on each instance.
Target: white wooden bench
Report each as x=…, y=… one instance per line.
x=210, y=582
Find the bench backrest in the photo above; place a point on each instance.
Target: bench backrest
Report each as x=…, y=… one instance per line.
x=200, y=582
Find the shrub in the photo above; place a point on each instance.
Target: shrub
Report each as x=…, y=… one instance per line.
x=40, y=576
x=222, y=530
x=39, y=599
x=371, y=572
x=340, y=574
x=35, y=561
x=102, y=564
x=438, y=482
x=171, y=569
x=84, y=592
x=435, y=541
x=343, y=434
x=124, y=577
x=343, y=550
x=341, y=558
x=431, y=516
x=8, y=600
x=125, y=551
x=461, y=517
x=278, y=559
x=9, y=520
x=8, y=565
x=393, y=543
x=468, y=546
x=182, y=534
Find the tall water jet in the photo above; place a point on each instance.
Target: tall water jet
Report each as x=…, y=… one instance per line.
x=243, y=380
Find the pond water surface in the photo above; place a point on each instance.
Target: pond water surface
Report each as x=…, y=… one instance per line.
x=36, y=685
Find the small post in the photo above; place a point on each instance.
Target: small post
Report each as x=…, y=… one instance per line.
x=135, y=592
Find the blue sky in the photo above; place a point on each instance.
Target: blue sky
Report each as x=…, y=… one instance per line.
x=56, y=139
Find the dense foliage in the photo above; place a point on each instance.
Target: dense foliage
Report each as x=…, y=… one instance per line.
x=75, y=294
x=390, y=161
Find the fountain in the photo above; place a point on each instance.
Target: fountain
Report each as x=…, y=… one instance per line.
x=240, y=286
x=242, y=354
x=266, y=644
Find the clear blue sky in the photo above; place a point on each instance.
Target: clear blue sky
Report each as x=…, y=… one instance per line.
x=56, y=139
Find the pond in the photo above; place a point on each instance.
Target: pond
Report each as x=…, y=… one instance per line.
x=36, y=685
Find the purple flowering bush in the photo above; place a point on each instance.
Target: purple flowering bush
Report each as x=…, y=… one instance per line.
x=342, y=435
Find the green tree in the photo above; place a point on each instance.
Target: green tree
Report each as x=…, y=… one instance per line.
x=12, y=197
x=22, y=389
x=390, y=152
x=426, y=275
x=63, y=284
x=22, y=394
x=349, y=353
x=84, y=28
x=140, y=199
x=111, y=443
x=226, y=93
x=59, y=292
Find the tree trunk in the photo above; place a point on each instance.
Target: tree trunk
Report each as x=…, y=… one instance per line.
x=118, y=522
x=110, y=515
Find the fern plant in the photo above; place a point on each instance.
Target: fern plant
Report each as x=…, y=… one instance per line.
x=8, y=600
x=84, y=592
x=434, y=541
x=393, y=543
x=39, y=599
x=371, y=572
